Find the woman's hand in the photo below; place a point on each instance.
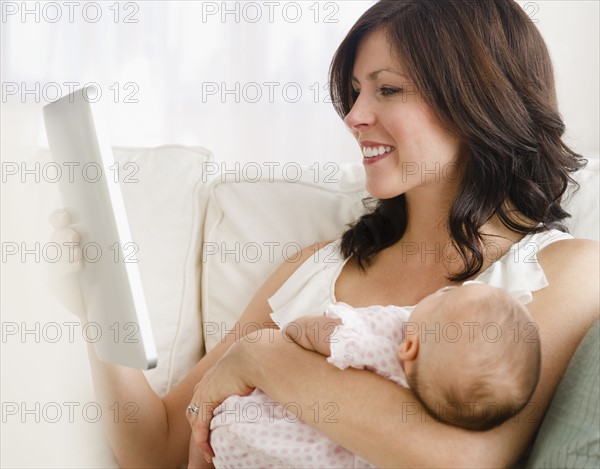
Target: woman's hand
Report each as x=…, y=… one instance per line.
x=63, y=276
x=227, y=377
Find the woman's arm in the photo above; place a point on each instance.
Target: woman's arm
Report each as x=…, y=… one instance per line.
x=363, y=412
x=382, y=422
x=159, y=433
x=155, y=435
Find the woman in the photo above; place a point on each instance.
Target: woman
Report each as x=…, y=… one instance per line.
x=454, y=108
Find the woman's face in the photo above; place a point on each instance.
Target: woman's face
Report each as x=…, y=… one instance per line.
x=404, y=145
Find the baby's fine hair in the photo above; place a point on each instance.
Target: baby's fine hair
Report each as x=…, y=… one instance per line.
x=495, y=364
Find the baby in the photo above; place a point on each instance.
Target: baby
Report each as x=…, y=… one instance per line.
x=471, y=355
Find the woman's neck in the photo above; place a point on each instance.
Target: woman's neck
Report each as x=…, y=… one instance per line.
x=427, y=209
x=427, y=227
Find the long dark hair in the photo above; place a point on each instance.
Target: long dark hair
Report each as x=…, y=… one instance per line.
x=484, y=70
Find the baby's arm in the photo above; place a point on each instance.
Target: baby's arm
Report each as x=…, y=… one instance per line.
x=312, y=332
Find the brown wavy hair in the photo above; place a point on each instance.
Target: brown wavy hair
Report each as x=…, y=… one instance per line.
x=484, y=70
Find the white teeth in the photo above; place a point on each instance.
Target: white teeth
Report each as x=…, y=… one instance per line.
x=370, y=152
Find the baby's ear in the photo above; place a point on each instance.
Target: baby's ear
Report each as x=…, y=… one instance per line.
x=409, y=348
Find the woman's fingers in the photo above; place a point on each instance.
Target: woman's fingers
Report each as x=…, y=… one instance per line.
x=71, y=258
x=200, y=423
x=199, y=414
x=226, y=378
x=59, y=219
x=67, y=240
x=61, y=275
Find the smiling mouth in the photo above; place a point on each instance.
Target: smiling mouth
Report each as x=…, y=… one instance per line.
x=372, y=152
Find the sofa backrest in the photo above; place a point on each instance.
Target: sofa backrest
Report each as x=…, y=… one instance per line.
x=210, y=233
x=165, y=194
x=253, y=223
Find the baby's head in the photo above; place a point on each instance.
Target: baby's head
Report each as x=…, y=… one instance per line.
x=471, y=355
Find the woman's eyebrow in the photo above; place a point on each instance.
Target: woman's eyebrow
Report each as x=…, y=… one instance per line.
x=373, y=75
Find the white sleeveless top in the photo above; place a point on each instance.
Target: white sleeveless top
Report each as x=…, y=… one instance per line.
x=311, y=287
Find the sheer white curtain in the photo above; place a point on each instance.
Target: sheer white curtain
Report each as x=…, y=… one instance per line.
x=247, y=79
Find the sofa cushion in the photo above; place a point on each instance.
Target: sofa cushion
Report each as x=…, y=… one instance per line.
x=163, y=189
x=252, y=224
x=570, y=433
x=255, y=218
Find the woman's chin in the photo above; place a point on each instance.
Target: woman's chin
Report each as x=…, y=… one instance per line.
x=384, y=193
x=384, y=189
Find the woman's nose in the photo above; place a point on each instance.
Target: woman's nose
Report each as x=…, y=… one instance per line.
x=361, y=116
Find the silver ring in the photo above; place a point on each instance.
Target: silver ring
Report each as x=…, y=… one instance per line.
x=194, y=409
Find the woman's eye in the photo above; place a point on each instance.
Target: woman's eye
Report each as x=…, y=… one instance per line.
x=386, y=91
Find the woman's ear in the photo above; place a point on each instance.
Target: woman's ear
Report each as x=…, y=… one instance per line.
x=409, y=348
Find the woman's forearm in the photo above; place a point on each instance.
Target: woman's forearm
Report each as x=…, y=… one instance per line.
x=143, y=429
x=369, y=415
x=133, y=415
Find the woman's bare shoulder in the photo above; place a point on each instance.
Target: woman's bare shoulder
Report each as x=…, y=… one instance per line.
x=578, y=248
x=572, y=268
x=258, y=309
x=290, y=265
x=570, y=304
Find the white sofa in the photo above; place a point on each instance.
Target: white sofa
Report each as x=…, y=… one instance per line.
x=223, y=230
x=209, y=233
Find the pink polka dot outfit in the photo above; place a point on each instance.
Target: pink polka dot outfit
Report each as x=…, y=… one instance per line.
x=369, y=338
x=255, y=431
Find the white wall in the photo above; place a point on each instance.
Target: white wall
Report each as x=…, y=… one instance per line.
x=178, y=53
x=572, y=34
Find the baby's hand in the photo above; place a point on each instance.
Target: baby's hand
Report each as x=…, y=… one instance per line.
x=63, y=276
x=312, y=332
